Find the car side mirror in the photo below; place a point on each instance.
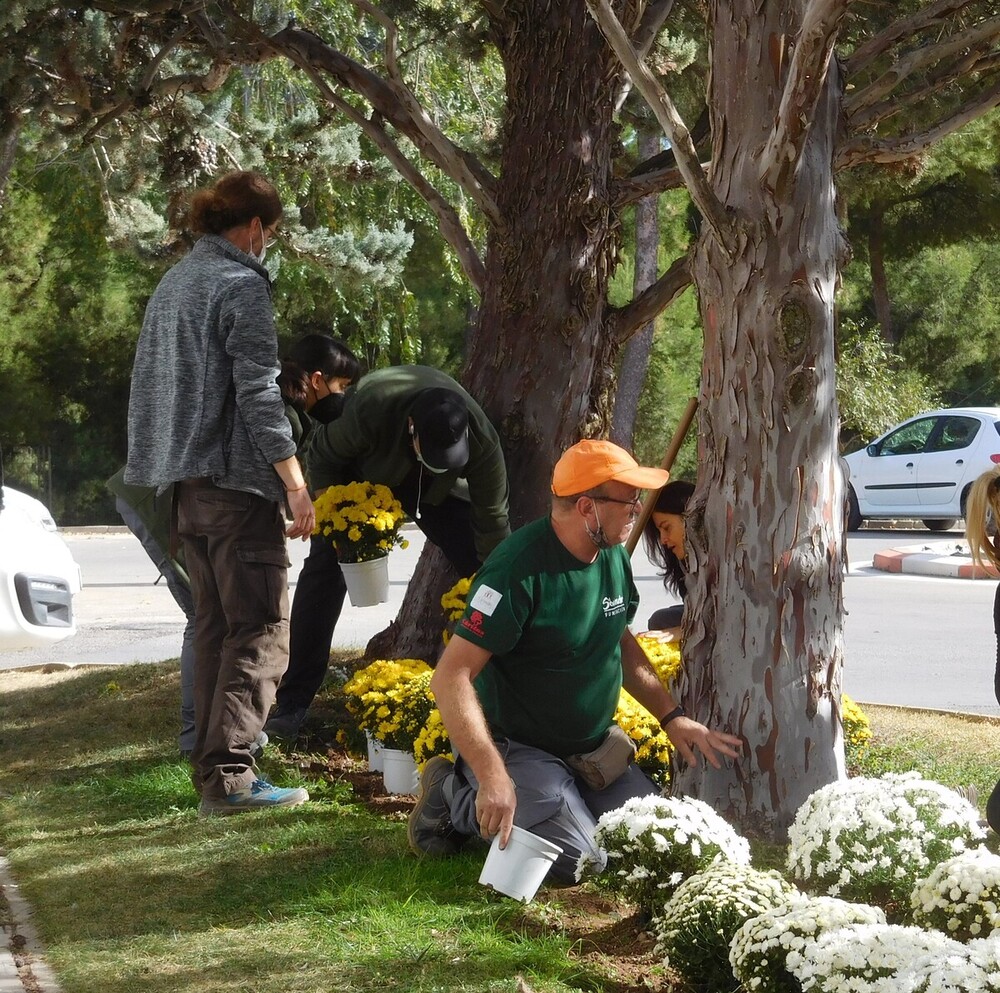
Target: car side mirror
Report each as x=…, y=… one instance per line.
x=872, y=450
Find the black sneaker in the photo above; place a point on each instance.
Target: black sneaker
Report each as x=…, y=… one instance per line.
x=286, y=722
x=429, y=829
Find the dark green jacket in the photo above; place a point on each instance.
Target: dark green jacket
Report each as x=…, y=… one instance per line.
x=154, y=511
x=371, y=441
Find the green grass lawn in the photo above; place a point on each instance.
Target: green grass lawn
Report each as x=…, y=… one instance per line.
x=132, y=892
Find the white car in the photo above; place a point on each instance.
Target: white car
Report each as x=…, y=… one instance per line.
x=38, y=575
x=924, y=467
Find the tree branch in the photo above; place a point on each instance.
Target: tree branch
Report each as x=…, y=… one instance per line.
x=391, y=38
x=804, y=82
x=973, y=62
x=632, y=188
x=449, y=223
x=983, y=35
x=398, y=106
x=937, y=14
x=886, y=150
x=701, y=192
x=652, y=21
x=627, y=320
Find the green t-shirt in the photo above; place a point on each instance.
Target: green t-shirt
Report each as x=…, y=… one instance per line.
x=553, y=625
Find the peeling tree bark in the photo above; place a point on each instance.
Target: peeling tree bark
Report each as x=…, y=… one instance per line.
x=763, y=649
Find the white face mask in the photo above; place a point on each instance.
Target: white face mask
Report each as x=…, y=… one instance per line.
x=259, y=256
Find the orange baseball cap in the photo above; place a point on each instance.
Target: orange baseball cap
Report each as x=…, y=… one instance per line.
x=592, y=462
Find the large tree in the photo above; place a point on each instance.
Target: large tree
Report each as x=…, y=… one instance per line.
x=797, y=91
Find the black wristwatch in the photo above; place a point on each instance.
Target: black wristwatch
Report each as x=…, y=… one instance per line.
x=678, y=711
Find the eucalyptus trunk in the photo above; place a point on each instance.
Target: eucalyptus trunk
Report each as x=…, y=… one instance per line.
x=763, y=648
x=541, y=359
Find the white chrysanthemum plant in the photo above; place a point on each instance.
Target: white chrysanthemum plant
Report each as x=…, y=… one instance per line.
x=651, y=843
x=698, y=923
x=961, y=896
x=890, y=958
x=758, y=951
x=869, y=840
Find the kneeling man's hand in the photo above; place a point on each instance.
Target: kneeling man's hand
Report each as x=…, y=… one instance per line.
x=495, y=803
x=686, y=735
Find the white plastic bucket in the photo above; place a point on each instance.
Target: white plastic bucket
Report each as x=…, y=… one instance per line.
x=367, y=582
x=518, y=870
x=399, y=771
x=375, y=752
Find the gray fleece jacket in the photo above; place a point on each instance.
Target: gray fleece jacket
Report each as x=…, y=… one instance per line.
x=204, y=400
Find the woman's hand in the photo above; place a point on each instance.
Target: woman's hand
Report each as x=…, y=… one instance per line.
x=303, y=513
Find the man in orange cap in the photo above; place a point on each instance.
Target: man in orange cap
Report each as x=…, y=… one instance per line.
x=528, y=686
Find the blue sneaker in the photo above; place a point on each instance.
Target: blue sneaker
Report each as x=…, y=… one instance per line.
x=259, y=795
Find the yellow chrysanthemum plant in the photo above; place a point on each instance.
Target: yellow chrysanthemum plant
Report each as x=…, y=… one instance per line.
x=653, y=748
x=453, y=605
x=391, y=701
x=361, y=520
x=857, y=728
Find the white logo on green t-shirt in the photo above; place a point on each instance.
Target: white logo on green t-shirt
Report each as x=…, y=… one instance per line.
x=613, y=606
x=486, y=600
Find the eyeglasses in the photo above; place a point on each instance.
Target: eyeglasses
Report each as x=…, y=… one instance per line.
x=634, y=505
x=271, y=236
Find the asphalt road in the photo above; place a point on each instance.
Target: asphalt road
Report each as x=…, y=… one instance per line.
x=909, y=640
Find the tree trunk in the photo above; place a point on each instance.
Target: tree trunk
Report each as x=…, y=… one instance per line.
x=763, y=648
x=416, y=631
x=880, y=285
x=635, y=355
x=541, y=362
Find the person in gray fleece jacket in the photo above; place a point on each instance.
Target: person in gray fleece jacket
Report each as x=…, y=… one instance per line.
x=205, y=413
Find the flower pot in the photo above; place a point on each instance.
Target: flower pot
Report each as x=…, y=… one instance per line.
x=399, y=771
x=376, y=751
x=518, y=870
x=367, y=582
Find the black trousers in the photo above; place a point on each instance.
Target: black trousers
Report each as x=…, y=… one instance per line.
x=316, y=606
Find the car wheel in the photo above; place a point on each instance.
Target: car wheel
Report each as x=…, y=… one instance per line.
x=940, y=523
x=854, y=518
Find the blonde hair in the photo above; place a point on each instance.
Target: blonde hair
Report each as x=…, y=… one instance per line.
x=982, y=513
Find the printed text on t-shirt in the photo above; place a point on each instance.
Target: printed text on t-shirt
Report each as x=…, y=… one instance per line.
x=614, y=605
x=474, y=623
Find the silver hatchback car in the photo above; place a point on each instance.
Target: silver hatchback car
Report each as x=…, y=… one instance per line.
x=924, y=467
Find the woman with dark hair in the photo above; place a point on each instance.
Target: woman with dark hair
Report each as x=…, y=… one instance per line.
x=313, y=379
x=663, y=538
x=205, y=413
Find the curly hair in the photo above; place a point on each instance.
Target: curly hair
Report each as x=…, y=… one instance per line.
x=672, y=499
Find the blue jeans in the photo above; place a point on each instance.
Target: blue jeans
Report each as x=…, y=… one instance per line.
x=181, y=593
x=552, y=802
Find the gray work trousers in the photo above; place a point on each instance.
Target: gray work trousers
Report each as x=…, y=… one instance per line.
x=235, y=554
x=552, y=802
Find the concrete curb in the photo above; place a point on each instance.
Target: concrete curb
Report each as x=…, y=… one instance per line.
x=934, y=558
x=21, y=965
